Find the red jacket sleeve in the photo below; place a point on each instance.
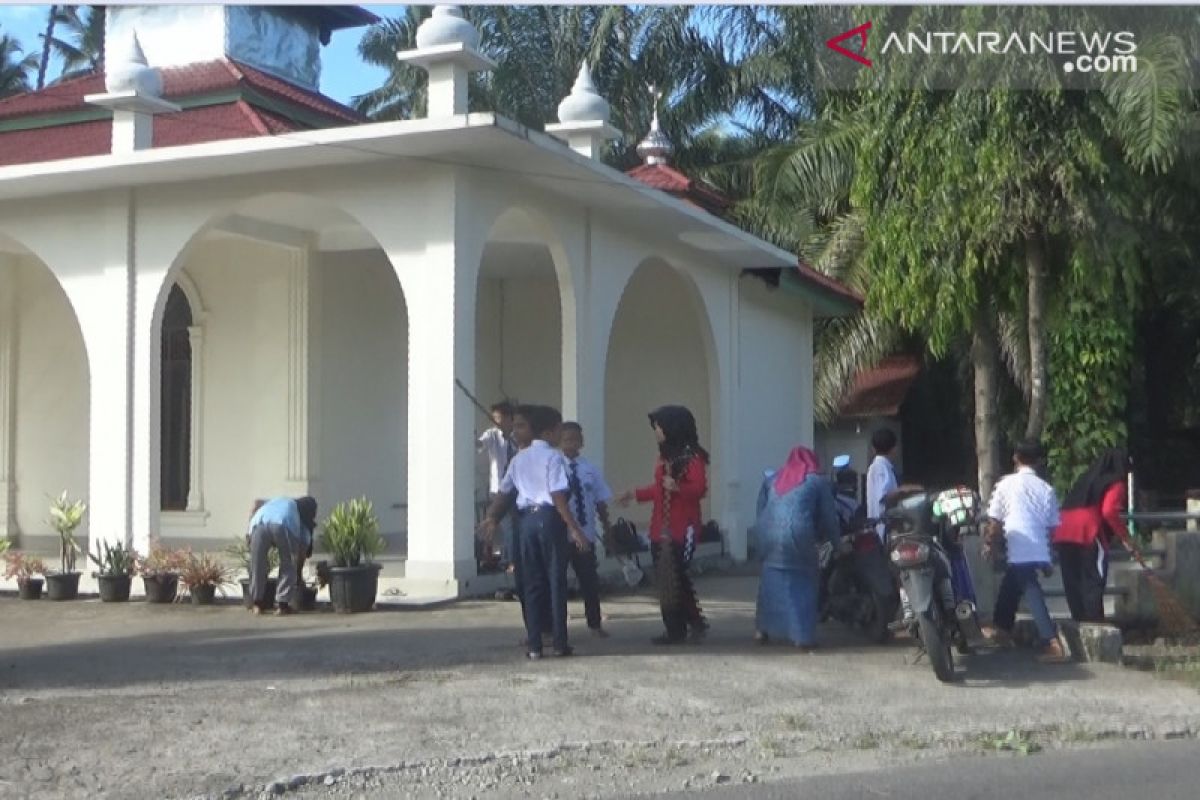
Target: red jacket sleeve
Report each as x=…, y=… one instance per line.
x=1112, y=510
x=693, y=485
x=645, y=494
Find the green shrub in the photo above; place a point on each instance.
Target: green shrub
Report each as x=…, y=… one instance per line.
x=351, y=533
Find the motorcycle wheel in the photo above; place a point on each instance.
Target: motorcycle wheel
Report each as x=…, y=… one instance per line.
x=937, y=645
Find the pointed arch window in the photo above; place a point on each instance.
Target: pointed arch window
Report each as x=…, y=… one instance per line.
x=176, y=440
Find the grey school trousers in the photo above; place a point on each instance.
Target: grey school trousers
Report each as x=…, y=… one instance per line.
x=262, y=539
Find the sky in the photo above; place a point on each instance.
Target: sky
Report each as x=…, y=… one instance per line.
x=343, y=74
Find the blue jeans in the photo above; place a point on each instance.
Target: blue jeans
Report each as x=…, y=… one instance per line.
x=543, y=566
x=1022, y=579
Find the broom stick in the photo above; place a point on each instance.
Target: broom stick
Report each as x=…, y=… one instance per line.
x=1173, y=615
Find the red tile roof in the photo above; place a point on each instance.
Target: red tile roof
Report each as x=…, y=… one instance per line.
x=832, y=285
x=200, y=123
x=674, y=182
x=880, y=392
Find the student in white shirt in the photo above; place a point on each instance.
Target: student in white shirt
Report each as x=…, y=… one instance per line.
x=882, y=486
x=537, y=478
x=589, y=502
x=499, y=446
x=1025, y=509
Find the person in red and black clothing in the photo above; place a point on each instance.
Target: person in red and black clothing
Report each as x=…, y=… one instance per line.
x=680, y=482
x=1092, y=514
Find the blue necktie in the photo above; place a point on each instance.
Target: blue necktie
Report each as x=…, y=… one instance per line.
x=577, y=491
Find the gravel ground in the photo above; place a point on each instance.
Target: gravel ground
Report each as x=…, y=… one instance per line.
x=152, y=702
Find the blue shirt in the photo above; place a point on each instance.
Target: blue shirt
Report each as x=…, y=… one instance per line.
x=282, y=511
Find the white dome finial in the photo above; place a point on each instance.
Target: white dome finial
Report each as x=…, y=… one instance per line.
x=584, y=103
x=447, y=26
x=656, y=148
x=131, y=72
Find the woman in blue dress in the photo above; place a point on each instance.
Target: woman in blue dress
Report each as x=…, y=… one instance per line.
x=799, y=514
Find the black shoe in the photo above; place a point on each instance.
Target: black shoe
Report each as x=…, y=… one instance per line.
x=697, y=633
x=534, y=656
x=564, y=652
x=667, y=640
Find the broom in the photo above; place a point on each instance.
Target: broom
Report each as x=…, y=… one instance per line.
x=1174, y=619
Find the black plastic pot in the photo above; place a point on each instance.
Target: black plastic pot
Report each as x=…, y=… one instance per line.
x=268, y=601
x=204, y=595
x=308, y=598
x=64, y=586
x=161, y=588
x=114, y=588
x=31, y=589
x=353, y=589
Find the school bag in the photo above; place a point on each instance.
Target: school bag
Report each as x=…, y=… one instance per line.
x=623, y=539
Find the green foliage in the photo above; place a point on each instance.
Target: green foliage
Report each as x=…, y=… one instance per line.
x=1091, y=358
x=16, y=66
x=161, y=560
x=66, y=515
x=4, y=545
x=113, y=559
x=351, y=533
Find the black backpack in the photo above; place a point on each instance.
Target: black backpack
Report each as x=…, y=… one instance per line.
x=623, y=539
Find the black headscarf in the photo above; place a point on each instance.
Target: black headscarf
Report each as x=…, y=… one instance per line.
x=306, y=507
x=1111, y=467
x=680, y=441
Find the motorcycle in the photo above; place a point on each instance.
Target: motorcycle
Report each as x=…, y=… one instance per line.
x=924, y=534
x=857, y=586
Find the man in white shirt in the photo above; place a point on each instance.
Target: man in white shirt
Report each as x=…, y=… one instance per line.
x=589, y=502
x=537, y=477
x=1025, y=508
x=882, y=486
x=498, y=445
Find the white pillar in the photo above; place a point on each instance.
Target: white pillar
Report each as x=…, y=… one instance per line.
x=302, y=441
x=151, y=281
x=195, y=497
x=447, y=90
x=8, y=406
x=439, y=284
x=105, y=318
x=727, y=412
x=131, y=131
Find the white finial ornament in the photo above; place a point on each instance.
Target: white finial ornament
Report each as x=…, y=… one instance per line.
x=584, y=103
x=131, y=72
x=447, y=26
x=656, y=148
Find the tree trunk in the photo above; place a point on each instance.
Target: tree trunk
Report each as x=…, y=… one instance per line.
x=1035, y=267
x=985, y=362
x=47, y=45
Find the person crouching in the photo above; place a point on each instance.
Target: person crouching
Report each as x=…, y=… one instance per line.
x=286, y=524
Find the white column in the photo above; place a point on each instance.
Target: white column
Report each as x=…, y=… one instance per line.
x=301, y=444
x=195, y=498
x=730, y=390
x=439, y=284
x=8, y=406
x=105, y=312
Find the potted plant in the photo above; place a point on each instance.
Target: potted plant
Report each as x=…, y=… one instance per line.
x=351, y=537
x=160, y=573
x=239, y=550
x=65, y=516
x=204, y=574
x=115, y=567
x=23, y=567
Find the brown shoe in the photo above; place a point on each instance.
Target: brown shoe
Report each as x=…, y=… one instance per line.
x=1053, y=653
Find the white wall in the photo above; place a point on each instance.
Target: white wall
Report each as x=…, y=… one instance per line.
x=364, y=386
x=244, y=288
x=51, y=443
x=775, y=383
x=656, y=357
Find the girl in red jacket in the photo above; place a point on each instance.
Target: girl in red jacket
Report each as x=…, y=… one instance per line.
x=680, y=482
x=1091, y=516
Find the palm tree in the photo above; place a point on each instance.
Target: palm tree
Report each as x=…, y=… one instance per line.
x=80, y=45
x=538, y=50
x=15, y=67
x=47, y=38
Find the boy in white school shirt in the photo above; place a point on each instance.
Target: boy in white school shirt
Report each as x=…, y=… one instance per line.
x=589, y=502
x=537, y=476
